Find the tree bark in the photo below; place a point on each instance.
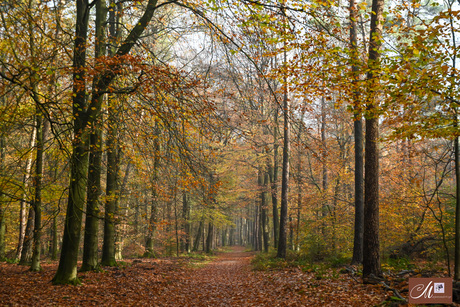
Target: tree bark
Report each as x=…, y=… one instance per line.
x=2, y=205
x=90, y=246
x=264, y=215
x=358, y=134
x=273, y=172
x=196, y=242
x=457, y=208
x=23, y=217
x=209, y=238
x=371, y=244
x=67, y=270
x=37, y=201
x=282, y=244
x=186, y=219
x=26, y=255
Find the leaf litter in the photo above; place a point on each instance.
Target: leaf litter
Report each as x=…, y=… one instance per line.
x=226, y=281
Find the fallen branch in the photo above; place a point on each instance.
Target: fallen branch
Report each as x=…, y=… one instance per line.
x=396, y=292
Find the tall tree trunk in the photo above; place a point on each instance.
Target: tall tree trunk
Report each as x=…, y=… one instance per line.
x=54, y=243
x=23, y=218
x=256, y=228
x=282, y=244
x=186, y=219
x=108, y=248
x=37, y=201
x=273, y=172
x=325, y=182
x=457, y=207
x=209, y=238
x=149, y=252
x=90, y=246
x=26, y=255
x=358, y=134
x=371, y=244
x=67, y=270
x=112, y=192
x=264, y=216
x=196, y=242
x=2, y=204
x=456, y=152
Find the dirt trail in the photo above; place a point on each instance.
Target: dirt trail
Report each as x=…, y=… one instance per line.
x=223, y=282
x=230, y=281
x=226, y=281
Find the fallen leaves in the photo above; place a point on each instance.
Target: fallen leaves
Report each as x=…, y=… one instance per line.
x=227, y=281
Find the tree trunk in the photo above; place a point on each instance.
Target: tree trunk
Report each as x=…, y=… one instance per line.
x=23, y=205
x=457, y=209
x=2, y=204
x=325, y=181
x=358, y=134
x=186, y=219
x=209, y=238
x=371, y=244
x=273, y=172
x=196, y=242
x=54, y=243
x=26, y=255
x=37, y=201
x=90, y=246
x=67, y=270
x=149, y=252
x=112, y=192
x=2, y=229
x=84, y=115
x=264, y=215
x=108, y=248
x=282, y=244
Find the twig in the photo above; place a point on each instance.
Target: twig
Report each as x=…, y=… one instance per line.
x=394, y=291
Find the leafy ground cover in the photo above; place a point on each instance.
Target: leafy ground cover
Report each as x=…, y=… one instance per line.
x=225, y=280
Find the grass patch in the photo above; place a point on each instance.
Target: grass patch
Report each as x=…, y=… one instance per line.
x=198, y=260
x=326, y=269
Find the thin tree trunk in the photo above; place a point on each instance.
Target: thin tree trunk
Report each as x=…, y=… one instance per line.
x=358, y=134
x=2, y=204
x=23, y=217
x=37, y=201
x=196, y=242
x=273, y=172
x=112, y=192
x=149, y=252
x=186, y=219
x=325, y=182
x=54, y=243
x=457, y=209
x=264, y=216
x=108, y=248
x=282, y=244
x=209, y=238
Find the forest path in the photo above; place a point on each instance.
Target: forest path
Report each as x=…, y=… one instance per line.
x=226, y=281
x=230, y=281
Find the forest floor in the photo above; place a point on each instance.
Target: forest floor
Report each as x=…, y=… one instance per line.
x=228, y=280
